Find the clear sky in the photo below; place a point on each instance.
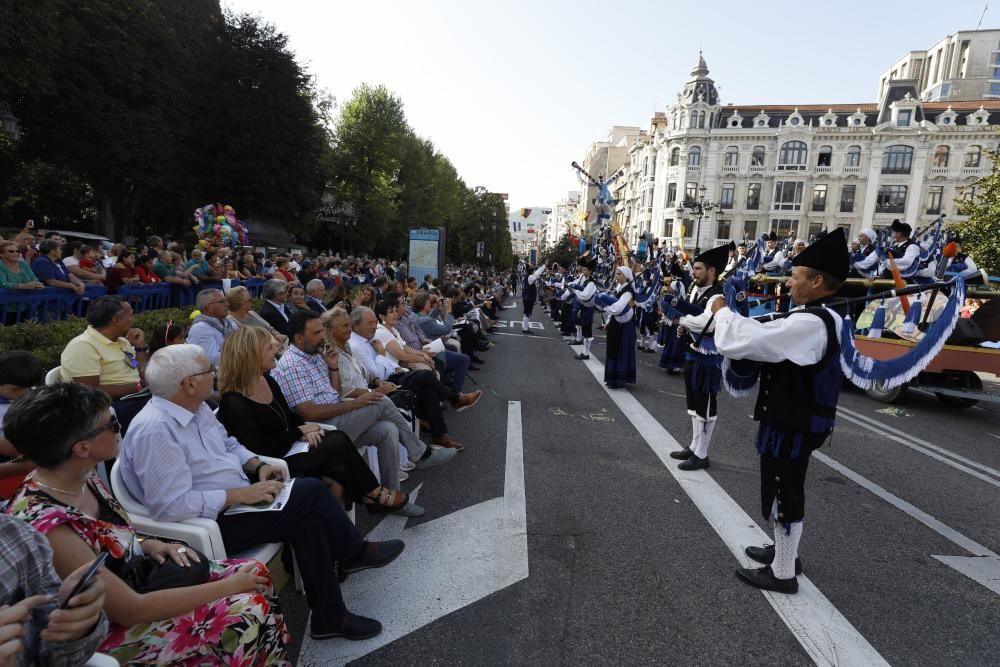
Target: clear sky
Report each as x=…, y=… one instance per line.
x=512, y=92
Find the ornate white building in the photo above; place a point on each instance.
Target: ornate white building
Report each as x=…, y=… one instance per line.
x=753, y=168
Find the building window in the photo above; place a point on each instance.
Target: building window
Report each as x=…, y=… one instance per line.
x=757, y=157
x=891, y=199
x=694, y=119
x=825, y=156
x=814, y=229
x=897, y=160
x=819, y=198
x=645, y=166
x=753, y=196
x=847, y=198
x=940, y=158
x=694, y=157
x=787, y=196
x=671, y=194
x=690, y=193
x=728, y=195
x=652, y=168
x=749, y=229
x=785, y=228
x=668, y=227
x=683, y=119
x=793, y=155
x=903, y=117
x=973, y=156
x=934, y=196
x=724, y=230
x=675, y=156
x=732, y=156
x=853, y=156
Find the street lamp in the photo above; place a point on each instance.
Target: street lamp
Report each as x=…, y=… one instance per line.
x=11, y=125
x=701, y=206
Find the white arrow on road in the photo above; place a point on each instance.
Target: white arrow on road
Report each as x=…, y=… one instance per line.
x=448, y=563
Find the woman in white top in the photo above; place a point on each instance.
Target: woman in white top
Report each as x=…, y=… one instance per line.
x=395, y=347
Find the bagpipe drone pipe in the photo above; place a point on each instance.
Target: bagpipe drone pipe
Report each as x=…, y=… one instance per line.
x=740, y=375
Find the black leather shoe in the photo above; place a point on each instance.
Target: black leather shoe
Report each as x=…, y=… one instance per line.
x=693, y=463
x=376, y=554
x=528, y=332
x=762, y=577
x=582, y=356
x=765, y=555
x=477, y=360
x=351, y=626
x=683, y=455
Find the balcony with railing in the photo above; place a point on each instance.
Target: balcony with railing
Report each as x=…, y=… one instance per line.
x=730, y=168
x=975, y=172
x=823, y=169
x=756, y=168
x=939, y=171
x=852, y=171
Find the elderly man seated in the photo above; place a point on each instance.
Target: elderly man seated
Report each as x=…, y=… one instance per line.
x=180, y=463
x=305, y=373
x=210, y=327
x=274, y=312
x=315, y=289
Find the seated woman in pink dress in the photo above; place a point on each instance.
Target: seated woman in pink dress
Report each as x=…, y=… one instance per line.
x=231, y=618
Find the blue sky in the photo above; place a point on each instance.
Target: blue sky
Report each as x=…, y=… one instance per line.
x=512, y=92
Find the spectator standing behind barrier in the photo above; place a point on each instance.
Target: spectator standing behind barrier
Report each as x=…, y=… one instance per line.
x=49, y=268
x=15, y=273
x=30, y=591
x=144, y=269
x=180, y=463
x=163, y=267
x=122, y=272
x=210, y=327
x=110, y=353
x=67, y=430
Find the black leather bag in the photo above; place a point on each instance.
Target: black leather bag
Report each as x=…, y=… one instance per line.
x=145, y=575
x=404, y=399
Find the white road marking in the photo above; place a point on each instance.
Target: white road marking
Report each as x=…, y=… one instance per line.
x=819, y=627
x=448, y=563
x=966, y=465
x=994, y=435
x=982, y=567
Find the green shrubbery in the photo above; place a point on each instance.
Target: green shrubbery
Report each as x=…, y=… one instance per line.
x=47, y=341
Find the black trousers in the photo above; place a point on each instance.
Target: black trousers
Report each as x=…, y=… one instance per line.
x=528, y=307
x=315, y=524
x=336, y=457
x=784, y=479
x=430, y=392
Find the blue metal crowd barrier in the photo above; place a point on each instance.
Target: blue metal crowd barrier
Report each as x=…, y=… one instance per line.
x=41, y=305
x=145, y=297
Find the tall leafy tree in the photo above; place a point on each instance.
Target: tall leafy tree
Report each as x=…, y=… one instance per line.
x=981, y=232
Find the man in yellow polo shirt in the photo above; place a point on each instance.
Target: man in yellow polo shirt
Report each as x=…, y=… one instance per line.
x=110, y=354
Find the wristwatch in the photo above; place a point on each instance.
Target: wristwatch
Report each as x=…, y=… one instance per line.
x=144, y=348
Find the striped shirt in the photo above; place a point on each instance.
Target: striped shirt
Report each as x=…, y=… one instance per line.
x=304, y=377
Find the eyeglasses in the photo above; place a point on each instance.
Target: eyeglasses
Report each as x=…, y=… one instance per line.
x=212, y=370
x=212, y=303
x=113, y=425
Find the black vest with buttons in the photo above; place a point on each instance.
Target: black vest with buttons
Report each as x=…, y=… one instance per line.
x=702, y=301
x=529, y=290
x=802, y=399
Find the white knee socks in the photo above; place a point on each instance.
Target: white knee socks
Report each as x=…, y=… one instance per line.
x=701, y=435
x=586, y=345
x=579, y=332
x=524, y=322
x=786, y=549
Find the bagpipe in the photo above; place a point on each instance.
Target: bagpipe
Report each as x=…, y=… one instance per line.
x=740, y=375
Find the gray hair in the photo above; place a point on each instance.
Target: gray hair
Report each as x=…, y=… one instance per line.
x=205, y=296
x=273, y=288
x=237, y=295
x=358, y=312
x=169, y=365
x=314, y=283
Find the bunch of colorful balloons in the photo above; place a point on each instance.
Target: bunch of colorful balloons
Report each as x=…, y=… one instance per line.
x=218, y=225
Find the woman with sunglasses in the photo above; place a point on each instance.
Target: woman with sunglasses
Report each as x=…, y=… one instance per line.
x=14, y=271
x=232, y=619
x=255, y=412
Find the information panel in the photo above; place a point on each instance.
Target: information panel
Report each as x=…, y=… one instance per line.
x=426, y=254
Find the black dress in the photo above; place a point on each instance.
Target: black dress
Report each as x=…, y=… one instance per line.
x=272, y=429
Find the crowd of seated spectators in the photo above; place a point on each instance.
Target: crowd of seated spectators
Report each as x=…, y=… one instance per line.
x=312, y=377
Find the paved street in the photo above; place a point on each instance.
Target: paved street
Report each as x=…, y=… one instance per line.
x=626, y=560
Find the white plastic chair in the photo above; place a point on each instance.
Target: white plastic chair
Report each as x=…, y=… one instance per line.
x=53, y=376
x=200, y=533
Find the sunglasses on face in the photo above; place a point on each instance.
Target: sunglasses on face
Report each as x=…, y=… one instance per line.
x=113, y=425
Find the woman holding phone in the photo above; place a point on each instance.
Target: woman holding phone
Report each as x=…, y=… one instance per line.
x=67, y=430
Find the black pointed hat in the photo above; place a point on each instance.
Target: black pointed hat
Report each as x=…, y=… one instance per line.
x=902, y=227
x=717, y=257
x=827, y=254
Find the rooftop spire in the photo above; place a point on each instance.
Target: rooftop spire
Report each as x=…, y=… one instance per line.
x=701, y=69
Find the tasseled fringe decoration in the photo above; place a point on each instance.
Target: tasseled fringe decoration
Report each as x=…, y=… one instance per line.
x=770, y=440
x=707, y=377
x=878, y=321
x=739, y=376
x=864, y=371
x=912, y=318
x=707, y=346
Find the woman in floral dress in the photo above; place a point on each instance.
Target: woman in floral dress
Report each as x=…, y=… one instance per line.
x=233, y=619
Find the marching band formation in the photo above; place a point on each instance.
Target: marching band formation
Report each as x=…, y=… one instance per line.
x=697, y=312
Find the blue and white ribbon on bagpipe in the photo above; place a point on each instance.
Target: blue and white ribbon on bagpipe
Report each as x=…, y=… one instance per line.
x=739, y=376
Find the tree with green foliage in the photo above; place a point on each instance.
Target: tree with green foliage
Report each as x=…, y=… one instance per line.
x=563, y=252
x=981, y=232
